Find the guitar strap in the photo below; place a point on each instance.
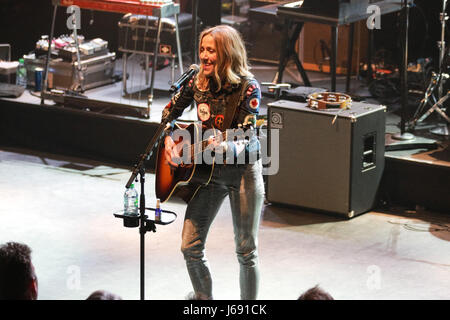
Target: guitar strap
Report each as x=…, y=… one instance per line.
x=233, y=103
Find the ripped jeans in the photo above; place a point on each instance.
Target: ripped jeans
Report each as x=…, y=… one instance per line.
x=245, y=187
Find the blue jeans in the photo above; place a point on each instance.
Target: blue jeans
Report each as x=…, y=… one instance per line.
x=245, y=187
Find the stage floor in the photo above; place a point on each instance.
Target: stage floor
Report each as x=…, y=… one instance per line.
x=63, y=209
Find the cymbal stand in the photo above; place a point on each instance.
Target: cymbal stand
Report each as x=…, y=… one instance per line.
x=436, y=81
x=402, y=135
x=443, y=17
x=429, y=98
x=436, y=108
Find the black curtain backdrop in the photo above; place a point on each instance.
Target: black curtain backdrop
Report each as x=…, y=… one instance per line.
x=424, y=31
x=22, y=22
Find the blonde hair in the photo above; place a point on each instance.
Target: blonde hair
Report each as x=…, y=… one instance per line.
x=231, y=62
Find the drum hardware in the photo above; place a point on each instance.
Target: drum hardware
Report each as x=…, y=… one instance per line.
x=402, y=135
x=429, y=98
x=436, y=84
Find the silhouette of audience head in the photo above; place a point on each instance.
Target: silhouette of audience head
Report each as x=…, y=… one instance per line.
x=103, y=295
x=315, y=293
x=18, y=279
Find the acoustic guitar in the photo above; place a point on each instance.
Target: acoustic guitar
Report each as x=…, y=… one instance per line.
x=170, y=180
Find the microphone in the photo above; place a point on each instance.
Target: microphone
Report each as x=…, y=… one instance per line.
x=193, y=69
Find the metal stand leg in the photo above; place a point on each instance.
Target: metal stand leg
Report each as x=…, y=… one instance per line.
x=334, y=44
x=124, y=73
x=194, y=31
x=403, y=76
x=443, y=18
x=434, y=83
x=147, y=73
x=179, y=52
x=437, y=107
x=288, y=51
x=80, y=76
x=440, y=130
x=351, y=33
x=47, y=62
x=370, y=57
x=284, y=54
x=155, y=57
x=172, y=70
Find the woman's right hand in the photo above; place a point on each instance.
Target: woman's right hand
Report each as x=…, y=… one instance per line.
x=171, y=151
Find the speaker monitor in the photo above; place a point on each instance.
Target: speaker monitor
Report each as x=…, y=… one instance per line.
x=333, y=167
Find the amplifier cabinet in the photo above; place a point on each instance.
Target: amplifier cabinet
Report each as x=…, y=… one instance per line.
x=137, y=33
x=335, y=168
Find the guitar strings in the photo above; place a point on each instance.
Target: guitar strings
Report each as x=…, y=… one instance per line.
x=195, y=145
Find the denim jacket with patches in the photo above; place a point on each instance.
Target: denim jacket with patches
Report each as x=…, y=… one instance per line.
x=211, y=111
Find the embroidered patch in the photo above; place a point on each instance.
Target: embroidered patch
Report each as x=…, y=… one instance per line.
x=218, y=121
x=203, y=112
x=250, y=120
x=254, y=103
x=250, y=89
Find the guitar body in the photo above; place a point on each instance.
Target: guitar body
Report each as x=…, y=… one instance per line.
x=182, y=181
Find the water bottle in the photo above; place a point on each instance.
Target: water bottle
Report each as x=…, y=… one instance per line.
x=21, y=75
x=130, y=202
x=158, y=210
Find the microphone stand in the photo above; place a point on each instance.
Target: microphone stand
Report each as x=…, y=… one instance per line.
x=404, y=75
x=142, y=220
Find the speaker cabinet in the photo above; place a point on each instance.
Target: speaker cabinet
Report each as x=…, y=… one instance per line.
x=315, y=47
x=333, y=167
